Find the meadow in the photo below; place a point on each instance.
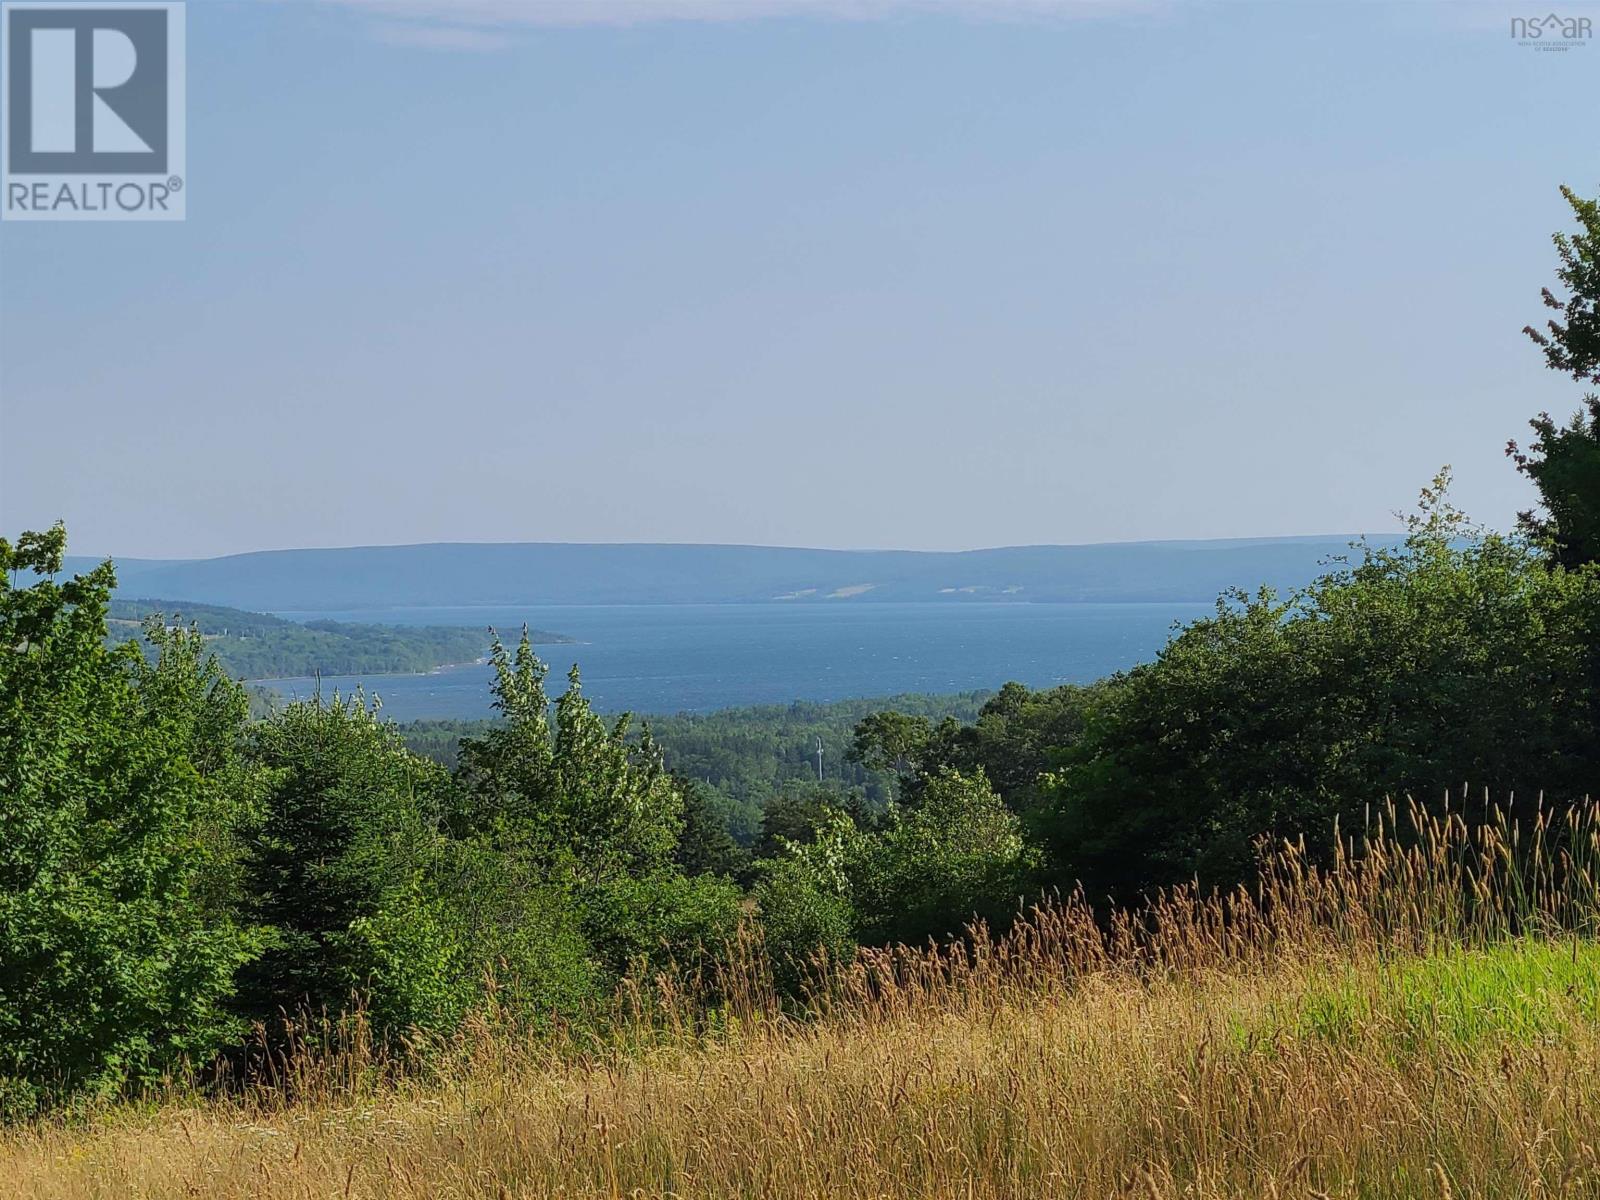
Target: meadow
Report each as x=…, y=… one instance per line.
x=1419, y=1018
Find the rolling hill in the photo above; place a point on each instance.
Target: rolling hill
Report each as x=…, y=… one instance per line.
x=253, y=645
x=454, y=573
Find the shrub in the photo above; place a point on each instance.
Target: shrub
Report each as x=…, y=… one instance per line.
x=645, y=922
x=802, y=919
x=957, y=856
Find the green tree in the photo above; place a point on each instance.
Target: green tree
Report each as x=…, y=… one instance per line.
x=793, y=816
x=1563, y=460
x=958, y=855
x=1020, y=734
x=1456, y=658
x=705, y=847
x=892, y=741
x=926, y=872
x=348, y=833
x=118, y=943
x=574, y=793
x=1016, y=736
x=1571, y=344
x=802, y=896
x=576, y=804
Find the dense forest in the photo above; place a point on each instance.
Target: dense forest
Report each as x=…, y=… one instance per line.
x=251, y=645
x=746, y=759
x=174, y=873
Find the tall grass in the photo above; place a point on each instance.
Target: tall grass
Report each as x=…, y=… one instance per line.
x=1415, y=1017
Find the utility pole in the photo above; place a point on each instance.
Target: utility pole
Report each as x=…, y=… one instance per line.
x=819, y=760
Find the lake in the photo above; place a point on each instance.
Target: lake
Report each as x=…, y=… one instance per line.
x=676, y=658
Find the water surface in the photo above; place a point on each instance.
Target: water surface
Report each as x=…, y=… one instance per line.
x=699, y=657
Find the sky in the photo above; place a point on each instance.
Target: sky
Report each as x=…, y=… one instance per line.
x=845, y=273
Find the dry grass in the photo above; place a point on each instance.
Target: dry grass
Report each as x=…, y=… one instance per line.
x=1421, y=1020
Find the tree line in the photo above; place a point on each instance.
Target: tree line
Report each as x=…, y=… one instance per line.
x=176, y=877
x=742, y=762
x=251, y=645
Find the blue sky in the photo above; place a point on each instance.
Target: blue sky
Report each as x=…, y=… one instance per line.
x=835, y=274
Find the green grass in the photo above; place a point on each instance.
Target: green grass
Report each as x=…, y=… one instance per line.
x=1518, y=992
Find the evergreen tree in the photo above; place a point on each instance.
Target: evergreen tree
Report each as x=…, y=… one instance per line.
x=348, y=828
x=705, y=847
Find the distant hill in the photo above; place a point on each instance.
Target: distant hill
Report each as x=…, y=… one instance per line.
x=453, y=573
x=252, y=645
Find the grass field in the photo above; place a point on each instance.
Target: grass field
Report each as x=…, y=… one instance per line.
x=1423, y=1019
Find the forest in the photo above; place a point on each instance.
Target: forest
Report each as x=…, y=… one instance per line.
x=252, y=645
x=180, y=883
x=745, y=760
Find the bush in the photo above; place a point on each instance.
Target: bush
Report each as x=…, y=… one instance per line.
x=646, y=922
x=435, y=948
x=518, y=928
x=931, y=870
x=802, y=918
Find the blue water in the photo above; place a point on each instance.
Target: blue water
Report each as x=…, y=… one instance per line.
x=674, y=658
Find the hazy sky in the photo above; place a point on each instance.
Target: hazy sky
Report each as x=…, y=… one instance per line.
x=845, y=273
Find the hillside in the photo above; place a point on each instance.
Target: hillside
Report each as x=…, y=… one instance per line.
x=253, y=645
x=647, y=573
x=1365, y=1035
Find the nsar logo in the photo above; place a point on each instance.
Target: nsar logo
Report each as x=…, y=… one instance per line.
x=1551, y=32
